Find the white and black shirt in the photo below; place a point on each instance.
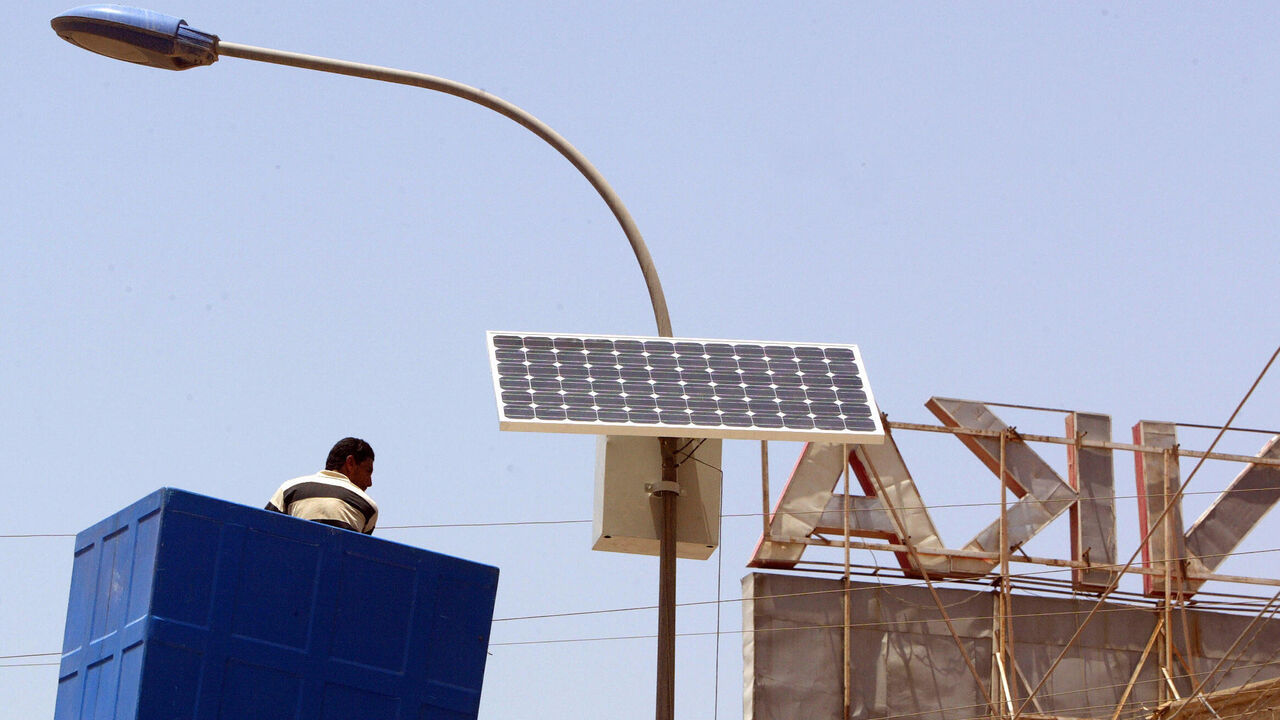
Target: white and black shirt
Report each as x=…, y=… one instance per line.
x=327, y=497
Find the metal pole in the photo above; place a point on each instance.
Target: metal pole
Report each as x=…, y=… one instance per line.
x=1002, y=603
x=668, y=492
x=766, y=501
x=665, y=704
x=1166, y=664
x=847, y=665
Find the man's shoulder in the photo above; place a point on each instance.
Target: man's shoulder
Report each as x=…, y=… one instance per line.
x=324, y=477
x=327, y=485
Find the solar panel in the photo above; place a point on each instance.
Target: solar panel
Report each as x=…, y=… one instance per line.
x=682, y=387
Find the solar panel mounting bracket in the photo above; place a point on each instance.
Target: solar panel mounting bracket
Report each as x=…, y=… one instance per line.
x=660, y=487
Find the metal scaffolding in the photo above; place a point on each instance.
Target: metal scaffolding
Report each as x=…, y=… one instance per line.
x=1181, y=652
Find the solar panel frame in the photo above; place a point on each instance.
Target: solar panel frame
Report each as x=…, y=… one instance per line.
x=753, y=390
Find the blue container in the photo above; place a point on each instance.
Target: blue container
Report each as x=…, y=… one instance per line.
x=183, y=606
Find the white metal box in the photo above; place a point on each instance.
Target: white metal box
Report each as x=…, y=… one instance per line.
x=626, y=517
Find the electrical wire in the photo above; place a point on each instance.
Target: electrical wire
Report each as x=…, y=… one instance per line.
x=756, y=514
x=773, y=596
x=723, y=516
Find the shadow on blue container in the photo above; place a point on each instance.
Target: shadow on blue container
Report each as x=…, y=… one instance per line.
x=183, y=606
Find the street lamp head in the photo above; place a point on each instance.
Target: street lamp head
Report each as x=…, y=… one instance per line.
x=137, y=36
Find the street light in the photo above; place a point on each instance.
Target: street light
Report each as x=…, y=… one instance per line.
x=163, y=41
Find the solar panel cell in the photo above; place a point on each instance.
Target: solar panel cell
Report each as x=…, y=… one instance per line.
x=668, y=389
x=633, y=373
x=851, y=396
x=568, y=344
x=696, y=389
x=821, y=394
x=844, y=380
x=763, y=407
x=822, y=408
x=610, y=400
x=604, y=372
x=788, y=407
x=724, y=363
x=693, y=364
x=511, y=369
x=513, y=383
x=671, y=376
x=731, y=392
x=575, y=371
x=665, y=362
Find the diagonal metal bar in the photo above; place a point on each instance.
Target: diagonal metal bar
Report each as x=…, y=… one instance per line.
x=1137, y=669
x=933, y=591
x=1021, y=677
x=1199, y=688
x=1264, y=696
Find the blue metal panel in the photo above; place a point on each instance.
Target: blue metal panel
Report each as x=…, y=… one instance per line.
x=183, y=606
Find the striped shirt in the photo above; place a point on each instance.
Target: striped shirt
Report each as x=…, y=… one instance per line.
x=327, y=497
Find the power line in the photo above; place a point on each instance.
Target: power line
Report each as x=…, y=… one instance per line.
x=483, y=524
x=726, y=516
x=926, y=506
x=774, y=596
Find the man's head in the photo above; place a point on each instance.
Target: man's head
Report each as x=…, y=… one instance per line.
x=352, y=457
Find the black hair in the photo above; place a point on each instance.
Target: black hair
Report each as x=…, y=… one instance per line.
x=354, y=447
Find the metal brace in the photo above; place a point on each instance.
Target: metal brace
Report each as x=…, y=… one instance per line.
x=661, y=487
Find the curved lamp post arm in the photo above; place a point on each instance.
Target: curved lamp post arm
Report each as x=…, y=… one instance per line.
x=497, y=104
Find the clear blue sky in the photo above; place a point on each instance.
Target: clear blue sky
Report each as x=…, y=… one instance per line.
x=210, y=276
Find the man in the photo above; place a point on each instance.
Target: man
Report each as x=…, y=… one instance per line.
x=334, y=496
